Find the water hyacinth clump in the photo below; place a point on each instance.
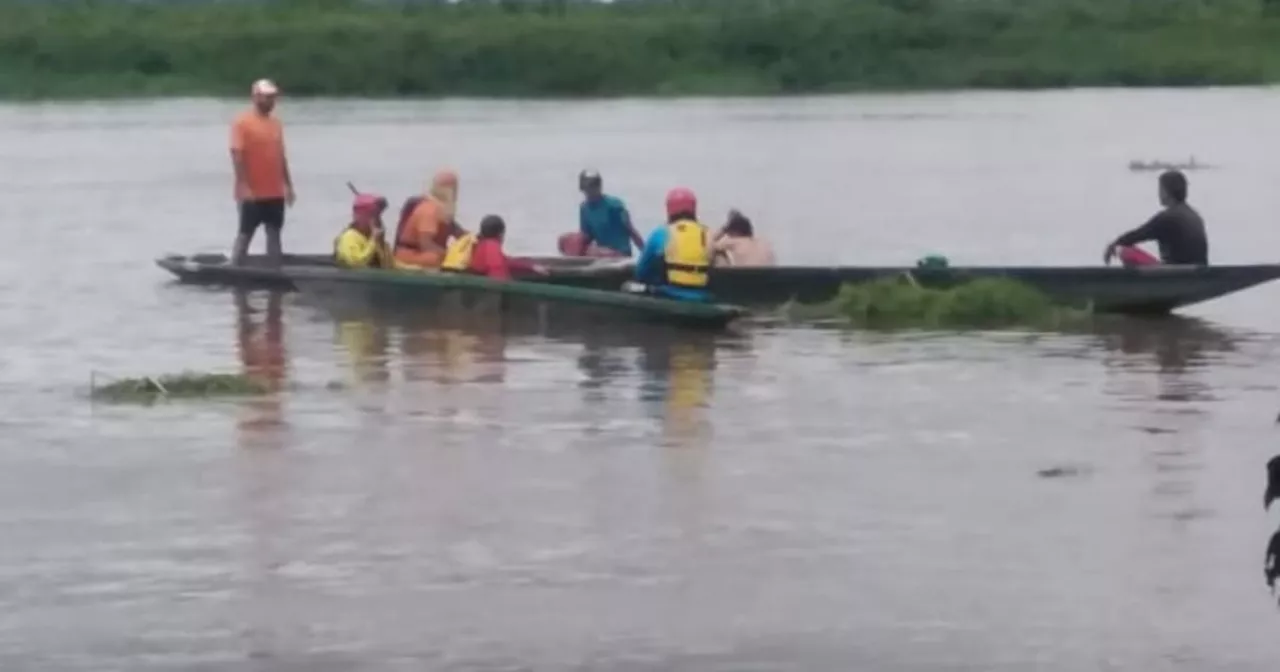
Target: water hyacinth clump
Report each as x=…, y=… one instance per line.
x=181, y=386
x=985, y=303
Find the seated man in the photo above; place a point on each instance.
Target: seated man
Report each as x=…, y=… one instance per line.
x=737, y=245
x=604, y=225
x=1177, y=229
x=427, y=223
x=481, y=253
x=361, y=244
x=676, y=258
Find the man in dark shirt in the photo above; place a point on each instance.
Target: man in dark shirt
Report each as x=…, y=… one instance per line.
x=1177, y=229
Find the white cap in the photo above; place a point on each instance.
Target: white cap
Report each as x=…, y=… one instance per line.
x=264, y=87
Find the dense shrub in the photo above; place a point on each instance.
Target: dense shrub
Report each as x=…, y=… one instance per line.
x=564, y=48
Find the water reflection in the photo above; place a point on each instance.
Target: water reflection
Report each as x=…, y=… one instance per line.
x=1174, y=343
x=601, y=362
x=260, y=344
x=677, y=385
x=450, y=353
x=1159, y=369
x=365, y=342
x=1178, y=350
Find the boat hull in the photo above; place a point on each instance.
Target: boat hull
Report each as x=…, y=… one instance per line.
x=215, y=270
x=1147, y=290
x=456, y=296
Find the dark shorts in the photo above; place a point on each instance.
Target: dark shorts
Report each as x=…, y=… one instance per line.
x=267, y=212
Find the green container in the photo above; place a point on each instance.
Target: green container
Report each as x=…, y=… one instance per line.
x=932, y=261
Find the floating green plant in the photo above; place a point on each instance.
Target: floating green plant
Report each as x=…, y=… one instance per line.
x=901, y=302
x=186, y=385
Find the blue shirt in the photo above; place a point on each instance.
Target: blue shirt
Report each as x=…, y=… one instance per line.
x=651, y=270
x=606, y=222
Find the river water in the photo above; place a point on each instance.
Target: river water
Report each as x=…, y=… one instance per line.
x=773, y=499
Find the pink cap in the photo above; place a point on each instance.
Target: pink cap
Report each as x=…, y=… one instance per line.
x=369, y=203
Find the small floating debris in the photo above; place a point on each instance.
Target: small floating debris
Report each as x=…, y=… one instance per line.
x=1062, y=471
x=1191, y=164
x=149, y=389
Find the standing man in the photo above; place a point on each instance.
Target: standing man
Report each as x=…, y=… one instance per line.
x=603, y=219
x=263, y=186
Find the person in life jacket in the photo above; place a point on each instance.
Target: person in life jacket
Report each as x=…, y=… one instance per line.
x=676, y=257
x=482, y=254
x=457, y=256
x=426, y=225
x=362, y=243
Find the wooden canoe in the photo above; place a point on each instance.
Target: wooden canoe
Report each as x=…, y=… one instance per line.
x=407, y=292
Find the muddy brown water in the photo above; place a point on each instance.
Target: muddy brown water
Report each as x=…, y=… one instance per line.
x=775, y=498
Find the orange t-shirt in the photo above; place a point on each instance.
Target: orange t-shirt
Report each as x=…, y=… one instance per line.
x=260, y=141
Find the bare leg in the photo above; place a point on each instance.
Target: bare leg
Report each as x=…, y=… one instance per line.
x=275, y=255
x=240, y=249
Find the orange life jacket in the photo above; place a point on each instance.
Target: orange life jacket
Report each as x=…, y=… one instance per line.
x=443, y=233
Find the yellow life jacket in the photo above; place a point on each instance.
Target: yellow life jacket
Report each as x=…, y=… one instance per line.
x=688, y=254
x=344, y=246
x=457, y=257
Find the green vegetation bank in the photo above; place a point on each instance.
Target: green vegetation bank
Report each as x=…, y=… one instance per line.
x=66, y=48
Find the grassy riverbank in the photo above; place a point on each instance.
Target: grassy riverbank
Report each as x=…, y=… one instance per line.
x=646, y=47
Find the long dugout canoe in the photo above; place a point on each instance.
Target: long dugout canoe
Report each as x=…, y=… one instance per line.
x=400, y=293
x=1147, y=290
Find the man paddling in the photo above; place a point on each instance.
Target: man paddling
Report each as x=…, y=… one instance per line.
x=1177, y=229
x=263, y=185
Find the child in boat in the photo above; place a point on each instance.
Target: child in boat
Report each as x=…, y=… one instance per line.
x=481, y=253
x=737, y=244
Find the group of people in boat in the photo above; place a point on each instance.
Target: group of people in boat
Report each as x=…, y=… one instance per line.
x=673, y=261
x=427, y=238
x=605, y=230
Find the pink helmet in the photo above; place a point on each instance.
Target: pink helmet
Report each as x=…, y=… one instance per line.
x=681, y=201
